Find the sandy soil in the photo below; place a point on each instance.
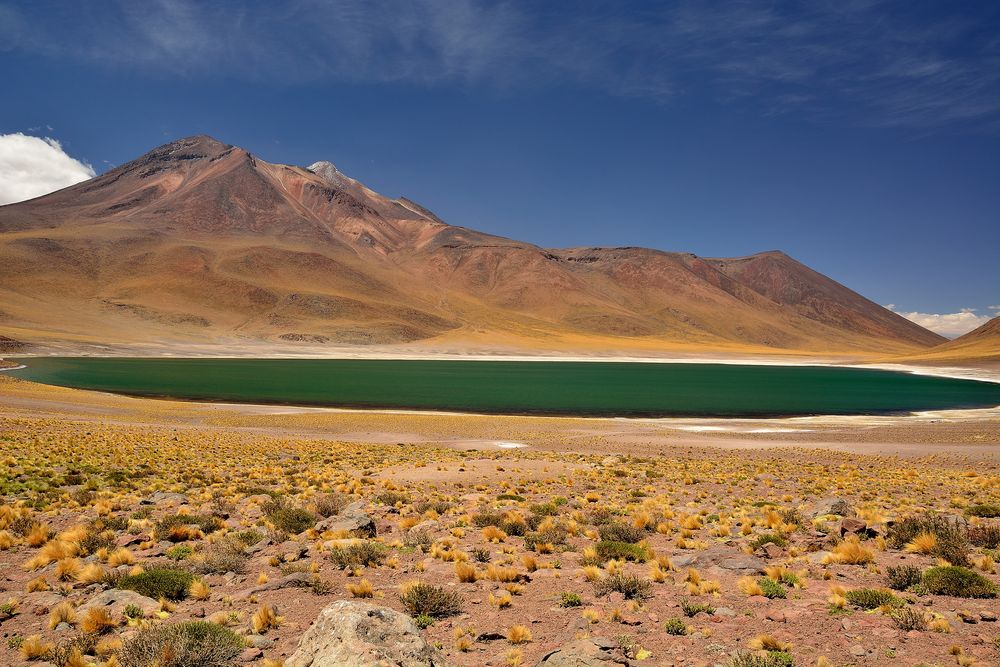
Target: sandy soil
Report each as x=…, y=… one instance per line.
x=737, y=478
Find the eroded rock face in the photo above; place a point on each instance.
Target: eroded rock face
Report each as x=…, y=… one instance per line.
x=358, y=634
x=596, y=652
x=834, y=506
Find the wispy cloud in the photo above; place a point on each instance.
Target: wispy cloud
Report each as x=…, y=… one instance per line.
x=860, y=61
x=950, y=325
x=35, y=166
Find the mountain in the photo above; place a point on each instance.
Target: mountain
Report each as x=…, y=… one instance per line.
x=981, y=346
x=202, y=242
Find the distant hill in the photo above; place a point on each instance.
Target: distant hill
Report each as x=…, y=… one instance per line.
x=979, y=345
x=202, y=242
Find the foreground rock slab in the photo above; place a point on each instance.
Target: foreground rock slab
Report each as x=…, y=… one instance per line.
x=596, y=652
x=358, y=634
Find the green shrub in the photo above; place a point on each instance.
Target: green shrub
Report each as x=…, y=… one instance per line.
x=959, y=582
x=179, y=552
x=570, y=600
x=423, y=621
x=288, y=518
x=772, y=589
x=901, y=577
x=985, y=511
x=482, y=555
x=511, y=496
x=621, y=532
x=872, y=598
x=676, y=627
x=692, y=609
x=621, y=551
x=433, y=601
x=250, y=536
x=182, y=645
x=629, y=585
x=158, y=582
x=133, y=611
x=359, y=554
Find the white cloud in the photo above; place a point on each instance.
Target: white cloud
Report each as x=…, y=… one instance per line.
x=35, y=166
x=949, y=325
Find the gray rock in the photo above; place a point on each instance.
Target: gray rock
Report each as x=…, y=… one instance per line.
x=115, y=601
x=836, y=506
x=352, y=522
x=358, y=634
x=595, y=652
x=164, y=497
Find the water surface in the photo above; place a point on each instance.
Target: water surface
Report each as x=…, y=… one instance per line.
x=522, y=387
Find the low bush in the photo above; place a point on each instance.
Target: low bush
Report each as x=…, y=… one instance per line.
x=949, y=533
x=635, y=553
x=158, y=582
x=422, y=599
x=225, y=555
x=570, y=600
x=620, y=532
x=959, y=582
x=331, y=504
x=908, y=618
x=772, y=589
x=164, y=529
x=984, y=536
x=692, y=609
x=983, y=510
x=676, y=627
x=287, y=517
x=629, y=585
x=769, y=659
x=359, y=554
x=901, y=577
x=182, y=645
x=872, y=598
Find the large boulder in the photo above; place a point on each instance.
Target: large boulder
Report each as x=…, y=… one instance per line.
x=595, y=652
x=349, y=521
x=358, y=634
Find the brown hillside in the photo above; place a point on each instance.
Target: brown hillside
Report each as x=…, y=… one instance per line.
x=202, y=242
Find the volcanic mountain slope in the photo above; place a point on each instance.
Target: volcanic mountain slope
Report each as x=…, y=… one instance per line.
x=201, y=242
x=979, y=345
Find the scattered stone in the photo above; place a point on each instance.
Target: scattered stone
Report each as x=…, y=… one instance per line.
x=988, y=616
x=595, y=652
x=165, y=498
x=115, y=601
x=358, y=634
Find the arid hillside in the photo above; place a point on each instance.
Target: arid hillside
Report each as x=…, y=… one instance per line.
x=198, y=242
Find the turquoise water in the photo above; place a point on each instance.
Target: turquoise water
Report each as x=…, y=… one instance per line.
x=515, y=387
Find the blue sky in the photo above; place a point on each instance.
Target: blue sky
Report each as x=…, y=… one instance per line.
x=861, y=137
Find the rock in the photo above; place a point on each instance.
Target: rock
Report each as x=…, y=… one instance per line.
x=291, y=550
x=115, y=601
x=836, y=506
x=165, y=498
x=967, y=616
x=260, y=641
x=351, y=521
x=595, y=652
x=988, y=616
x=851, y=525
x=858, y=651
x=358, y=634
x=293, y=580
x=251, y=654
x=771, y=551
x=776, y=616
x=724, y=611
x=744, y=564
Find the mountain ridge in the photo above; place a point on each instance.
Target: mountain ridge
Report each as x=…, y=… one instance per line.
x=198, y=239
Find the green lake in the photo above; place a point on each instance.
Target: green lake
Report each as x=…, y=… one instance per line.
x=521, y=387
